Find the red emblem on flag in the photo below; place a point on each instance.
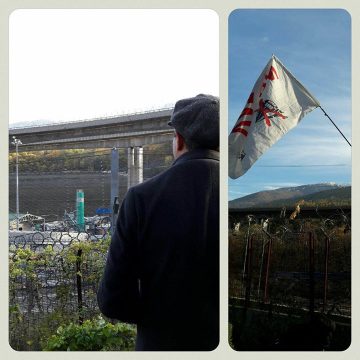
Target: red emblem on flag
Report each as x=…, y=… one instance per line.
x=276, y=104
x=267, y=109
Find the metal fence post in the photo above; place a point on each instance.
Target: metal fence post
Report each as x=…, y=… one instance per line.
x=114, y=185
x=327, y=248
x=266, y=292
x=248, y=269
x=79, y=286
x=311, y=273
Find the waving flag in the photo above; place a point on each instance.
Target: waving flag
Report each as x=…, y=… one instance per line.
x=276, y=104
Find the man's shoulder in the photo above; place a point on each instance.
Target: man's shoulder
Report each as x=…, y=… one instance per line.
x=155, y=180
x=183, y=166
x=188, y=163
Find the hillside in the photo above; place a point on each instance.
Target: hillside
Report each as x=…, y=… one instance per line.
x=48, y=180
x=333, y=197
x=313, y=195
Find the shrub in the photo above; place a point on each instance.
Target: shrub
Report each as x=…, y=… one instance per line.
x=45, y=284
x=92, y=335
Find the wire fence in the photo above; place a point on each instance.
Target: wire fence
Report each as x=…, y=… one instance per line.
x=48, y=180
x=54, y=268
x=290, y=281
x=53, y=281
x=303, y=263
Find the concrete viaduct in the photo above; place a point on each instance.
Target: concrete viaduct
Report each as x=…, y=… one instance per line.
x=126, y=131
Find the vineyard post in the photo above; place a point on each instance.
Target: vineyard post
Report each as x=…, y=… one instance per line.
x=248, y=270
x=266, y=293
x=327, y=247
x=311, y=273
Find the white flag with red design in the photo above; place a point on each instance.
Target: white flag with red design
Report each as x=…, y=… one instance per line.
x=276, y=104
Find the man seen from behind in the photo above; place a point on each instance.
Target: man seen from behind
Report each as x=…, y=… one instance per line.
x=162, y=270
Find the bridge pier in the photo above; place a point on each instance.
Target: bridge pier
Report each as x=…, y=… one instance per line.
x=135, y=166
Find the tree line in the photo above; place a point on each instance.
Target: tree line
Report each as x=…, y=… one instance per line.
x=98, y=160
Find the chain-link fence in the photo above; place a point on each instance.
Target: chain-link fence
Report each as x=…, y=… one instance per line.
x=48, y=180
x=54, y=268
x=53, y=281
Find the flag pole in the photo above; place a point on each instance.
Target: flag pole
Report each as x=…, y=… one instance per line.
x=335, y=125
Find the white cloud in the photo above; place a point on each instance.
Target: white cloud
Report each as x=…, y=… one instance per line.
x=234, y=192
x=275, y=186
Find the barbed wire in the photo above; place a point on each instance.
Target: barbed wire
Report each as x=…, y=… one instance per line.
x=284, y=243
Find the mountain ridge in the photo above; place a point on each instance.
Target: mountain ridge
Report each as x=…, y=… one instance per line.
x=290, y=195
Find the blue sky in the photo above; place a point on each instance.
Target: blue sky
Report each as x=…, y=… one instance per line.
x=315, y=45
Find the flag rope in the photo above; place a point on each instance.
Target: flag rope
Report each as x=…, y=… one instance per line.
x=335, y=125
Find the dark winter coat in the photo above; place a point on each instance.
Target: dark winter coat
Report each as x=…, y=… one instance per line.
x=162, y=270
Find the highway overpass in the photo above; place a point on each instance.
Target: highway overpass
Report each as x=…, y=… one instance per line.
x=125, y=131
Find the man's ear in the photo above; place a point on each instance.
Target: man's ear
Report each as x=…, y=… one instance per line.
x=180, y=142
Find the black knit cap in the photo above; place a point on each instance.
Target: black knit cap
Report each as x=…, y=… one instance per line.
x=197, y=120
